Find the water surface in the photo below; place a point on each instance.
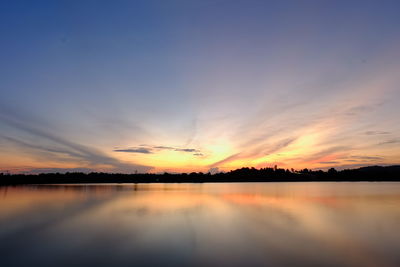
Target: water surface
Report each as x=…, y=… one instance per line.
x=244, y=224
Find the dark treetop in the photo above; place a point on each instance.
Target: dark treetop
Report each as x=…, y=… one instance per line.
x=372, y=173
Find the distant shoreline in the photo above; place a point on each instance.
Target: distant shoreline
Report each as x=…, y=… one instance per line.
x=364, y=174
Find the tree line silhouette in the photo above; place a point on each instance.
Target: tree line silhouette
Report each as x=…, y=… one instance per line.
x=371, y=173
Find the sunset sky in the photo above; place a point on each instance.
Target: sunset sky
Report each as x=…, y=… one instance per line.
x=181, y=86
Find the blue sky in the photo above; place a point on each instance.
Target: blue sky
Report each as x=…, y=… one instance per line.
x=193, y=85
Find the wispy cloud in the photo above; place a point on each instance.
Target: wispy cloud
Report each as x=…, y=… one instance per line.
x=258, y=150
x=366, y=157
x=279, y=145
x=147, y=149
x=186, y=150
x=141, y=150
x=164, y=147
x=391, y=141
x=225, y=160
x=359, y=110
x=376, y=133
x=324, y=153
x=40, y=140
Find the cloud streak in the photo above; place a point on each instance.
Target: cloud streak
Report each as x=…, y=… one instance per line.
x=190, y=150
x=52, y=146
x=140, y=150
x=146, y=149
x=391, y=141
x=376, y=133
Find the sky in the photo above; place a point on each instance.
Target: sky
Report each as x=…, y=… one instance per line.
x=182, y=86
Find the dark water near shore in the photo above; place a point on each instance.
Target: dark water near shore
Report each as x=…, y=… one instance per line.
x=246, y=224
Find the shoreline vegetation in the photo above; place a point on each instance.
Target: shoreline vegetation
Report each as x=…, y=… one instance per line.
x=371, y=173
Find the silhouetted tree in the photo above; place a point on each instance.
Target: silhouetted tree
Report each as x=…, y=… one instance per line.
x=332, y=171
x=372, y=173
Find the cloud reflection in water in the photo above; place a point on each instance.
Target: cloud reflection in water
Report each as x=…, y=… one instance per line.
x=302, y=224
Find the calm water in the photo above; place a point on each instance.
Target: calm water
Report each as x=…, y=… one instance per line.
x=253, y=224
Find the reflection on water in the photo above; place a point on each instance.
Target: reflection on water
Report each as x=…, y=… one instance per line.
x=253, y=224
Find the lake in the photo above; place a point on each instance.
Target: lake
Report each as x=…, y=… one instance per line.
x=221, y=224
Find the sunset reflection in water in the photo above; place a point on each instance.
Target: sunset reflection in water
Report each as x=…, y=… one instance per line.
x=302, y=224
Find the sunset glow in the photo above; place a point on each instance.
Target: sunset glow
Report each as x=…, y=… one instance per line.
x=183, y=86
